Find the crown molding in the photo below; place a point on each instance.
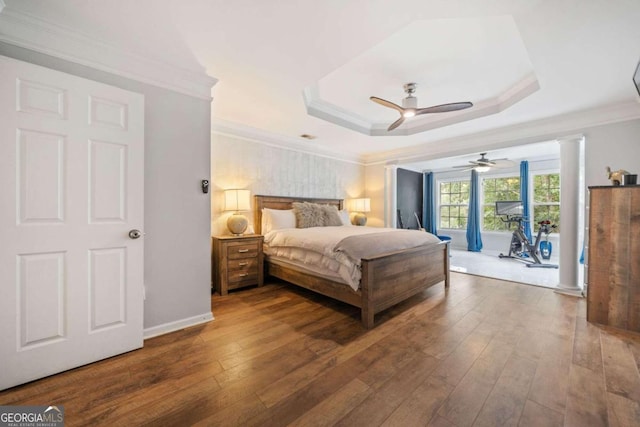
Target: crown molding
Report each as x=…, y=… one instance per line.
x=237, y=130
x=30, y=32
x=325, y=110
x=559, y=127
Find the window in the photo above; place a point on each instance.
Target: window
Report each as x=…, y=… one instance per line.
x=454, y=204
x=546, y=199
x=497, y=189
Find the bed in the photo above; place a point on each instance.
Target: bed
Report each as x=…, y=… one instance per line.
x=386, y=279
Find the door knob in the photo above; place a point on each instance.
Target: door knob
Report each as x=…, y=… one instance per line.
x=135, y=234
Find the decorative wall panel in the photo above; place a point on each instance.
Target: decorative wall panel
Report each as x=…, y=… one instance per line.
x=269, y=170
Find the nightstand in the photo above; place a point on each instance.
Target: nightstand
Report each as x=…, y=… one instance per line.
x=237, y=262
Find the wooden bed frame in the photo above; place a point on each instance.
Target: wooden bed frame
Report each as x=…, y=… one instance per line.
x=386, y=279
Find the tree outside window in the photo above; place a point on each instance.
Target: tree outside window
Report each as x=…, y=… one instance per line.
x=454, y=204
x=546, y=199
x=494, y=190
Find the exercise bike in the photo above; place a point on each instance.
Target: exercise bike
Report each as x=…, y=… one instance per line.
x=520, y=248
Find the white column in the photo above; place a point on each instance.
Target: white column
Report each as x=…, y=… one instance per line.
x=390, y=195
x=570, y=165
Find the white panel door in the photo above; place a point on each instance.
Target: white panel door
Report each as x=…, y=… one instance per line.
x=71, y=189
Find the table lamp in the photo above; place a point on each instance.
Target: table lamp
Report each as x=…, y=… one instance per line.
x=360, y=206
x=236, y=201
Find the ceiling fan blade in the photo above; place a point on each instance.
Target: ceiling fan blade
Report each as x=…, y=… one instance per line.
x=503, y=163
x=386, y=103
x=444, y=108
x=396, y=124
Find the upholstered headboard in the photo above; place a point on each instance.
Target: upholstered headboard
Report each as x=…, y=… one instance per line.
x=283, y=203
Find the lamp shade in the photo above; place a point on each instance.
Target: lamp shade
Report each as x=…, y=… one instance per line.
x=237, y=200
x=361, y=205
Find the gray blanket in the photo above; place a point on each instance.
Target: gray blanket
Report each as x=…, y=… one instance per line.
x=370, y=245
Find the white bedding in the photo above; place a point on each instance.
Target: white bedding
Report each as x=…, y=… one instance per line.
x=316, y=247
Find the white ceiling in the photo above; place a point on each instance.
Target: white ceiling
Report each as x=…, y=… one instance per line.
x=265, y=54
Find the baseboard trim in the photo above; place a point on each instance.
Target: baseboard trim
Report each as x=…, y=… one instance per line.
x=570, y=292
x=166, y=328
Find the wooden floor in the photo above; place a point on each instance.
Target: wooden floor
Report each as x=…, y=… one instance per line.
x=485, y=353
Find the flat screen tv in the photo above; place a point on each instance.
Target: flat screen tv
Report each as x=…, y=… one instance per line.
x=510, y=208
x=636, y=78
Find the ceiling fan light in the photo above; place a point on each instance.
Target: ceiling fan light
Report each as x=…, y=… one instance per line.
x=410, y=112
x=481, y=169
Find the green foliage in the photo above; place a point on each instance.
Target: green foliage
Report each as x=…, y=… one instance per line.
x=454, y=201
x=498, y=189
x=546, y=199
x=546, y=188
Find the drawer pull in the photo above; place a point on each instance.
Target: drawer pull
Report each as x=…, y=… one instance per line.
x=242, y=251
x=242, y=264
x=243, y=274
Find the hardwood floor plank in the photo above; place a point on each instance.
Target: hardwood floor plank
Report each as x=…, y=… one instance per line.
x=586, y=399
x=445, y=344
x=335, y=406
x=422, y=405
x=536, y=415
x=586, y=346
x=456, y=365
x=234, y=415
x=465, y=402
x=506, y=402
x=620, y=369
x=291, y=355
x=550, y=384
x=622, y=411
x=389, y=395
x=438, y=421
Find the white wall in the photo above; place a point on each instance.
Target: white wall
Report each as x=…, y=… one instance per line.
x=374, y=179
x=177, y=261
x=275, y=171
x=616, y=145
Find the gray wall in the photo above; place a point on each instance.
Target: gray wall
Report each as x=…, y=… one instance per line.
x=177, y=261
x=409, y=196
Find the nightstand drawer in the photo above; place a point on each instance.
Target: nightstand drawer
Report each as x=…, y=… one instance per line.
x=246, y=250
x=242, y=276
x=244, y=264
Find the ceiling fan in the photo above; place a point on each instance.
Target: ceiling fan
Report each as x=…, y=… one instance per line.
x=410, y=106
x=483, y=164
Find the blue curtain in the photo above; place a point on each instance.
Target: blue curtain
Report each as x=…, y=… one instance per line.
x=524, y=196
x=429, y=205
x=474, y=239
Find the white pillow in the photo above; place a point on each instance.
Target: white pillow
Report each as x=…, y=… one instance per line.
x=345, y=217
x=276, y=219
